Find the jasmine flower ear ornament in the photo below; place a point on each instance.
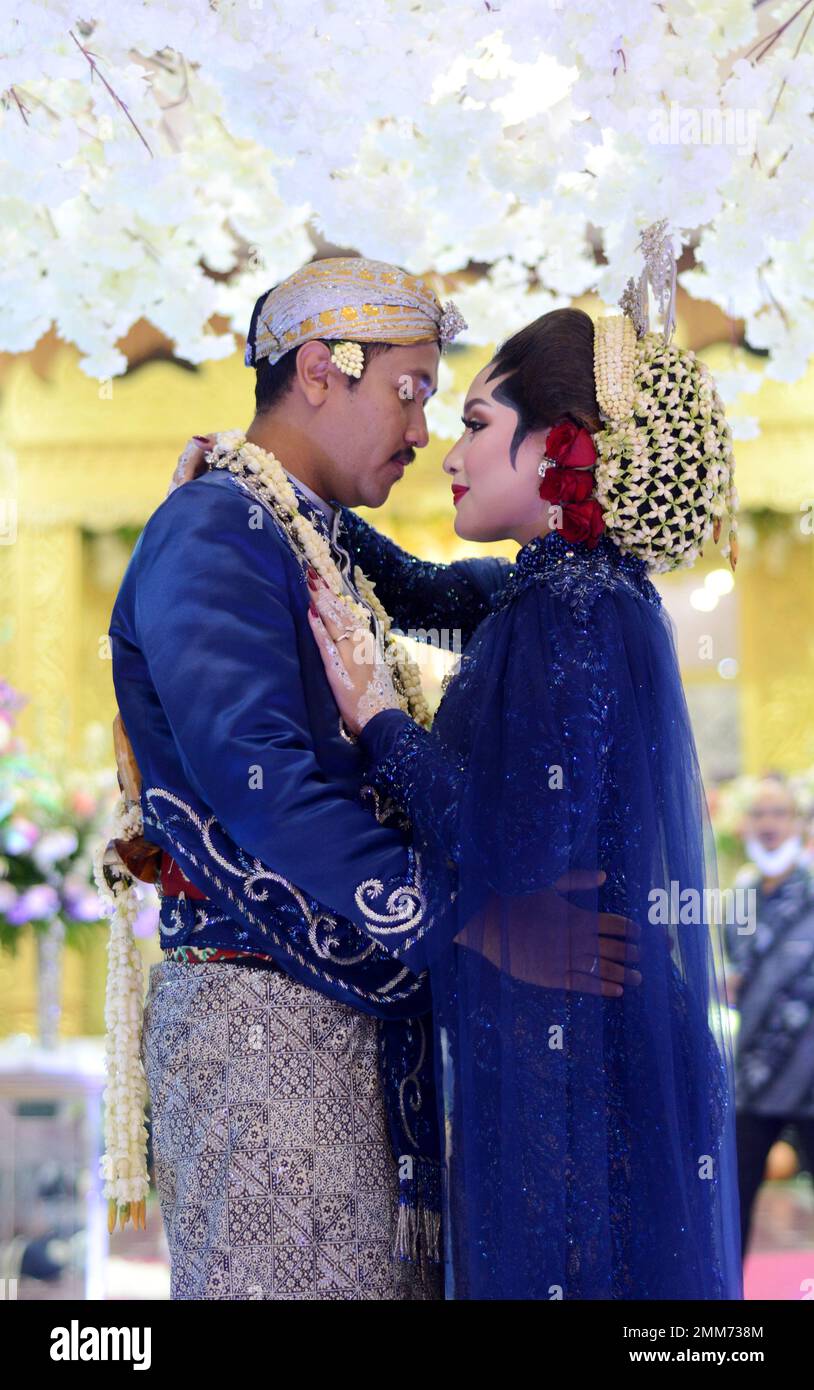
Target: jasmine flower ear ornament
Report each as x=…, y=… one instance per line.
x=349, y=358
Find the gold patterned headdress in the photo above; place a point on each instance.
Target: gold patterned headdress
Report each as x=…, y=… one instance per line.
x=349, y=298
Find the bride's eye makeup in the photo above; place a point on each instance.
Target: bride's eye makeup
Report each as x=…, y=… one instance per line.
x=471, y=424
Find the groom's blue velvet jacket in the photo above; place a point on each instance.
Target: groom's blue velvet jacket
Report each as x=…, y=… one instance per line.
x=247, y=778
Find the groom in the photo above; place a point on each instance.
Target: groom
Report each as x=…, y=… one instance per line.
x=287, y=1048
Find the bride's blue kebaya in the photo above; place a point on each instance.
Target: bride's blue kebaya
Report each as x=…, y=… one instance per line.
x=589, y=1141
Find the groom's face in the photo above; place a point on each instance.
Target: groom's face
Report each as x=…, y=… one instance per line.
x=373, y=428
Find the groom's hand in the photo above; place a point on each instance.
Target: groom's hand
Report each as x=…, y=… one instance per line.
x=543, y=939
x=601, y=945
x=192, y=460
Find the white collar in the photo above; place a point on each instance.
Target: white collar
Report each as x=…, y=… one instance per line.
x=329, y=511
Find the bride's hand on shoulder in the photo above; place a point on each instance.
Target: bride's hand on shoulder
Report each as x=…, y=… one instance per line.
x=360, y=680
x=192, y=460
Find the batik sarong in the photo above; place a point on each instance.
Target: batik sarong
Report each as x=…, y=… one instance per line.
x=273, y=1165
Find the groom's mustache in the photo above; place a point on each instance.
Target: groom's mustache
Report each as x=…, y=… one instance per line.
x=404, y=456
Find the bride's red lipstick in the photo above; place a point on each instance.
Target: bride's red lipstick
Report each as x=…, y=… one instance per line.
x=458, y=492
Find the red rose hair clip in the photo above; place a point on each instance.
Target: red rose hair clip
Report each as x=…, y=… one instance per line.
x=568, y=482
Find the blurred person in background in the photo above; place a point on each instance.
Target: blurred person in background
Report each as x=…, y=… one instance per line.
x=772, y=985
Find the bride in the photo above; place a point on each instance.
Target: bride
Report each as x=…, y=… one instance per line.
x=589, y=1145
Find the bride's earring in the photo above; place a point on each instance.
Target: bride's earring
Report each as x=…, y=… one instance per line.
x=545, y=464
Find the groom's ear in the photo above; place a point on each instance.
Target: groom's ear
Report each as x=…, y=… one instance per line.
x=314, y=371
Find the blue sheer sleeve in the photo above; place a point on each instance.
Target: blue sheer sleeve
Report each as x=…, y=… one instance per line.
x=419, y=594
x=539, y=712
x=412, y=767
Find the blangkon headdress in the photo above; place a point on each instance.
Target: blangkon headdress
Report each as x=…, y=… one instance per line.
x=349, y=299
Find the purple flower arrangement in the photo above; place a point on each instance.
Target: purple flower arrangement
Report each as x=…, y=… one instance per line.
x=48, y=830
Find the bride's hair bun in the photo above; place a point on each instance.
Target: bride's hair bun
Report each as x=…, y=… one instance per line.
x=665, y=471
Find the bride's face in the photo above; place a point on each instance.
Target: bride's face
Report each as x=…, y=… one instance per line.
x=496, y=496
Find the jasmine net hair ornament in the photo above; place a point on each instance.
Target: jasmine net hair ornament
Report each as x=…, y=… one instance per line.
x=665, y=467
